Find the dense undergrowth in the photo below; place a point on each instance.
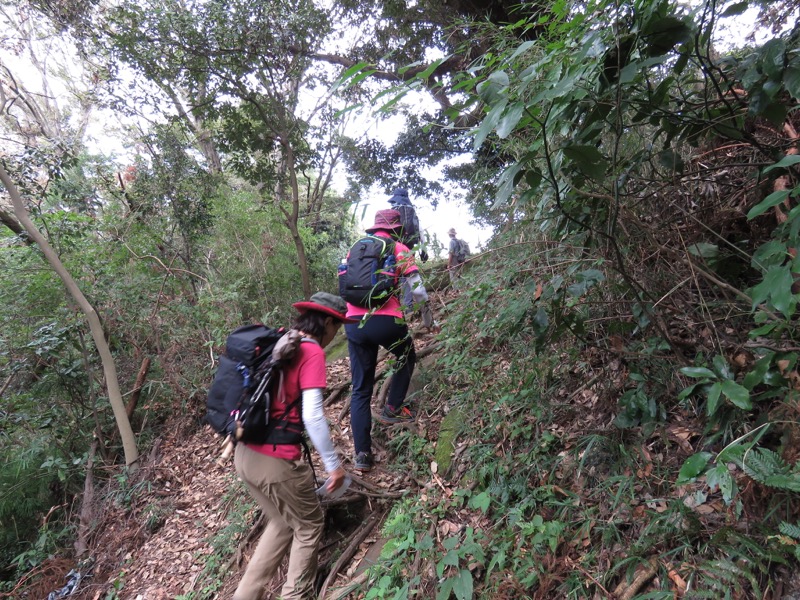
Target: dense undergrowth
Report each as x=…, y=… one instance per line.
x=576, y=464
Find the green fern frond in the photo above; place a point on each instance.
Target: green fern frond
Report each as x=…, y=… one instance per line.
x=767, y=467
x=752, y=550
x=762, y=463
x=790, y=529
x=721, y=573
x=724, y=574
x=783, y=482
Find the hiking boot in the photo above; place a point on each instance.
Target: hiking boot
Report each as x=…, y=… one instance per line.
x=402, y=415
x=364, y=461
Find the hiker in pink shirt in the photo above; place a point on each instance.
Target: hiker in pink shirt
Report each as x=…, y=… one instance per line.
x=383, y=326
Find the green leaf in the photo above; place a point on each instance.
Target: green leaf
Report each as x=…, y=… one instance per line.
x=352, y=71
x=507, y=182
x=735, y=9
x=541, y=320
x=693, y=467
x=777, y=286
x=450, y=543
x=493, y=87
x=722, y=367
x=698, y=372
x=704, y=250
x=585, y=280
x=498, y=560
x=773, y=199
x=791, y=81
x=664, y=33
x=771, y=254
x=629, y=72
x=686, y=392
x=524, y=47
x=759, y=100
x=774, y=52
x=587, y=159
x=720, y=477
x=771, y=89
x=490, y=122
x=756, y=374
x=510, y=120
x=786, y=161
x=462, y=585
x=396, y=98
x=712, y=400
x=763, y=330
x=534, y=177
x=734, y=453
x=671, y=160
x=481, y=502
x=783, y=481
x=445, y=590
x=682, y=62
x=424, y=75
x=560, y=90
x=450, y=559
x=361, y=76
x=737, y=394
x=402, y=593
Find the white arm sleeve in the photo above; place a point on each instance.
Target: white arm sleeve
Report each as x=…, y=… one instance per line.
x=418, y=291
x=317, y=428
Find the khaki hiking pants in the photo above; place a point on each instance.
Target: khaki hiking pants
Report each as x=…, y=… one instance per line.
x=284, y=490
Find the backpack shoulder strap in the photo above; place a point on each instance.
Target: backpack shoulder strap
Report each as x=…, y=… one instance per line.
x=388, y=243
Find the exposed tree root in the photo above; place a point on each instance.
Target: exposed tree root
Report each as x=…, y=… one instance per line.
x=359, y=536
x=647, y=572
x=335, y=393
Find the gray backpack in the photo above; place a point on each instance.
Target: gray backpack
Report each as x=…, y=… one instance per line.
x=462, y=252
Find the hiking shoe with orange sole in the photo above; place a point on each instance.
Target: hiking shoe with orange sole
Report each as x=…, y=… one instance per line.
x=403, y=415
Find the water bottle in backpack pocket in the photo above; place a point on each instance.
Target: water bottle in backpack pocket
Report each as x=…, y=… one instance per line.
x=239, y=399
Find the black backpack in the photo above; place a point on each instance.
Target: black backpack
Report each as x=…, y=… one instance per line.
x=367, y=278
x=241, y=393
x=409, y=234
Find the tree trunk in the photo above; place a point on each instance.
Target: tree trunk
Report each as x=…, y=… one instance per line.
x=293, y=216
x=87, y=506
x=10, y=222
x=137, y=387
x=109, y=368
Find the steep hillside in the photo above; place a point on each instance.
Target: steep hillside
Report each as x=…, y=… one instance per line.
x=568, y=470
